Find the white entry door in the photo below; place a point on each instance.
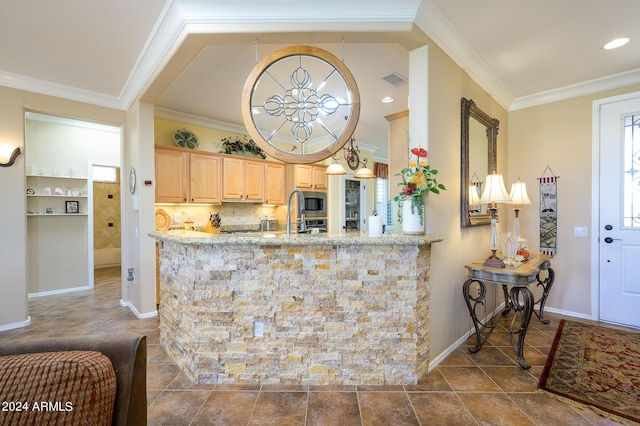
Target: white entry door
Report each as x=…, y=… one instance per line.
x=619, y=227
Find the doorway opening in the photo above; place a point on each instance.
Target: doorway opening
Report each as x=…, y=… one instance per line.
x=59, y=157
x=615, y=273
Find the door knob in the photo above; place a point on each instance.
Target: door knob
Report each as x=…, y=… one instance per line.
x=609, y=240
x=608, y=227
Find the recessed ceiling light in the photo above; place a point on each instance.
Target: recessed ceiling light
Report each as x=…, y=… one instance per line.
x=613, y=44
x=387, y=99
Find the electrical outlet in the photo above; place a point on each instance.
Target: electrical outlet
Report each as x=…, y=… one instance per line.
x=130, y=276
x=258, y=329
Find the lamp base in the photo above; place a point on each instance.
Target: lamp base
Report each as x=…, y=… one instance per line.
x=494, y=261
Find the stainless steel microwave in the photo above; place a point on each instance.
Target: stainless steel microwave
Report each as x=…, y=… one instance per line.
x=315, y=204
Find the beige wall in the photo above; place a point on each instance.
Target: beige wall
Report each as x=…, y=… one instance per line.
x=559, y=134
x=448, y=83
x=13, y=103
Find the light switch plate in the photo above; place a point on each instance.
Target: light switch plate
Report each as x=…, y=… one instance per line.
x=580, y=232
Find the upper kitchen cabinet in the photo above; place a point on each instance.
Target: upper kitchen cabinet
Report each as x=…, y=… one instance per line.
x=274, y=183
x=187, y=177
x=172, y=181
x=205, y=176
x=242, y=180
x=308, y=176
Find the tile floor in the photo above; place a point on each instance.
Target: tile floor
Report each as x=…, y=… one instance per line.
x=487, y=388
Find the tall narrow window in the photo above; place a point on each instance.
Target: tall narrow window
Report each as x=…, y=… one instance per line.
x=631, y=170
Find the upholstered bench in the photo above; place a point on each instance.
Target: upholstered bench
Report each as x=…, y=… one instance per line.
x=97, y=380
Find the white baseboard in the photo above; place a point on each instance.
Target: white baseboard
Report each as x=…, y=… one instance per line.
x=135, y=311
x=567, y=313
x=438, y=359
x=433, y=363
x=16, y=325
x=61, y=291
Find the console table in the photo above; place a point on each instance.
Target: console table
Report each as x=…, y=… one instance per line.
x=519, y=298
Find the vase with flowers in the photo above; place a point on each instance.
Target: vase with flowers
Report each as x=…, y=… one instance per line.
x=418, y=179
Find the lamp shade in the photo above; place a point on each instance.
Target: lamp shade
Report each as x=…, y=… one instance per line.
x=518, y=193
x=335, y=169
x=474, y=198
x=494, y=190
x=364, y=173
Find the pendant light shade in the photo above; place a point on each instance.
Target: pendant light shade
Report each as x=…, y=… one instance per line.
x=335, y=169
x=364, y=173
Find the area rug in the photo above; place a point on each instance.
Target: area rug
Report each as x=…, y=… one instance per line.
x=595, y=367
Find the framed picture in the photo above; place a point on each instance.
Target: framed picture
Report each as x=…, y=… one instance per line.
x=71, y=207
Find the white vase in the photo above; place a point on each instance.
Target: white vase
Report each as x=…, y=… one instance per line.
x=413, y=217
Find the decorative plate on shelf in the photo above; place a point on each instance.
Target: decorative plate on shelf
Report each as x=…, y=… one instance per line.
x=185, y=139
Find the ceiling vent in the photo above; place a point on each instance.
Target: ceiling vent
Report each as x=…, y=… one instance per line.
x=395, y=79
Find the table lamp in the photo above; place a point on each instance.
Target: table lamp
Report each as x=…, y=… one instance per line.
x=494, y=192
x=518, y=197
x=474, y=198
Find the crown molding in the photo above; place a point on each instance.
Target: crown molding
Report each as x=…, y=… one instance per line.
x=579, y=89
x=197, y=120
x=48, y=88
x=438, y=28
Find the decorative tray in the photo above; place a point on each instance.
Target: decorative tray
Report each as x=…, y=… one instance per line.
x=163, y=220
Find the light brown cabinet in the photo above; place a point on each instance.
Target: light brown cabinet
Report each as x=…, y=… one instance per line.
x=274, y=181
x=187, y=177
x=308, y=176
x=242, y=180
x=205, y=176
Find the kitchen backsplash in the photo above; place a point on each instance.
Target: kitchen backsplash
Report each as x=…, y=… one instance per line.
x=235, y=214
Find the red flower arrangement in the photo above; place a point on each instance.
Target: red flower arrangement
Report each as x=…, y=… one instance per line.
x=417, y=179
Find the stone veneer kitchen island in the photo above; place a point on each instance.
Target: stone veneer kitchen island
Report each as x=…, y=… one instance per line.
x=335, y=309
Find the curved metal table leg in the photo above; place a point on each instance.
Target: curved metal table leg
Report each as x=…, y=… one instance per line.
x=546, y=286
x=507, y=302
x=472, y=302
x=524, y=311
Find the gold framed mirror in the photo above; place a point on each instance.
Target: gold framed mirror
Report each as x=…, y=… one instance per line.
x=478, y=138
x=300, y=104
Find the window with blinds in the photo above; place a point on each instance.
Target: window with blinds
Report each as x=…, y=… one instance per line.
x=383, y=205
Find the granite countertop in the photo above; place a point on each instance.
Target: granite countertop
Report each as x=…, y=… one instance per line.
x=279, y=238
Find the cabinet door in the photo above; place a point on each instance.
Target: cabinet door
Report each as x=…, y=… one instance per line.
x=303, y=175
x=319, y=177
x=232, y=179
x=172, y=182
x=253, y=180
x=205, y=172
x=274, y=183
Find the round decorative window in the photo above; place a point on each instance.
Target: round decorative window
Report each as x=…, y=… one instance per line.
x=300, y=104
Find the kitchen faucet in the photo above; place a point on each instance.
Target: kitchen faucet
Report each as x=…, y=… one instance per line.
x=303, y=226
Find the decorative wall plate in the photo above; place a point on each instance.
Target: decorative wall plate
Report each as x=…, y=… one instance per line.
x=185, y=139
x=163, y=220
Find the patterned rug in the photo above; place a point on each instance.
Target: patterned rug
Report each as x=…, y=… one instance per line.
x=595, y=367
